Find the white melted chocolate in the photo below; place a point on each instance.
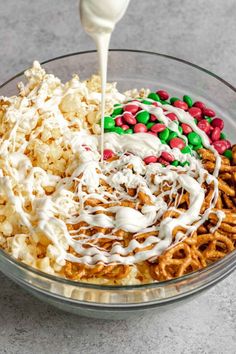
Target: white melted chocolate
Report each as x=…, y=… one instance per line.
x=51, y=214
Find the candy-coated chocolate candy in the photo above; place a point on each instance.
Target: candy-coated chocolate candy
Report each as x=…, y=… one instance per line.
x=181, y=104
x=164, y=135
x=131, y=108
x=215, y=135
x=140, y=128
x=187, y=99
x=142, y=117
x=153, y=118
x=167, y=156
x=186, y=128
x=128, y=131
x=205, y=126
x=199, y=104
x=220, y=146
x=172, y=116
x=173, y=99
x=163, y=161
x=125, y=127
x=108, y=122
x=107, y=154
x=117, y=111
x=218, y=122
x=118, y=130
x=119, y=121
x=228, y=154
x=129, y=118
x=157, y=128
x=195, y=112
x=186, y=150
x=194, y=139
x=175, y=163
x=150, y=159
x=177, y=143
x=163, y=95
x=150, y=125
x=208, y=112
x=154, y=96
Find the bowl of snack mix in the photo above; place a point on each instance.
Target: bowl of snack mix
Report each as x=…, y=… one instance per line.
x=148, y=225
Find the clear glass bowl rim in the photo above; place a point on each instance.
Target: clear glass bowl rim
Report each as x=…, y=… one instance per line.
x=218, y=264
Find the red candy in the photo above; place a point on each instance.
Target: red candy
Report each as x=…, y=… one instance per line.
x=200, y=105
x=215, y=135
x=205, y=126
x=195, y=112
x=209, y=112
x=220, y=146
x=163, y=95
x=125, y=127
x=177, y=143
x=163, y=161
x=186, y=128
x=228, y=143
x=181, y=104
x=157, y=128
x=168, y=157
x=155, y=104
x=153, y=118
x=132, y=108
x=107, y=154
x=150, y=159
x=119, y=121
x=129, y=118
x=218, y=122
x=154, y=134
x=172, y=116
x=140, y=128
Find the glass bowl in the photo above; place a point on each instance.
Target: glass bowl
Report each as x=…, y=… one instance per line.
x=130, y=69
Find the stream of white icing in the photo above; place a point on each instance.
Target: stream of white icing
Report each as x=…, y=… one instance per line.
x=98, y=19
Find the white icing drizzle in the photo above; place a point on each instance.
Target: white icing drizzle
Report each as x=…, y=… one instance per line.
x=50, y=214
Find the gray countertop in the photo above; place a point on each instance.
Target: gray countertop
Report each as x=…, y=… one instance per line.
x=201, y=31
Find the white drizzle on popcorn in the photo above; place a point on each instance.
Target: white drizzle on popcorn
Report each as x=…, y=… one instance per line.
x=33, y=211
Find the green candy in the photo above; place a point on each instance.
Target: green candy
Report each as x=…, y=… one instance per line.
x=196, y=121
x=180, y=129
x=154, y=96
x=164, y=142
x=117, y=111
x=197, y=147
x=209, y=119
x=150, y=124
x=188, y=100
x=228, y=154
x=186, y=163
x=194, y=139
x=172, y=135
x=109, y=122
x=173, y=99
x=191, y=146
x=165, y=102
x=223, y=136
x=143, y=117
x=186, y=150
x=164, y=135
x=146, y=102
x=128, y=131
x=119, y=130
x=111, y=130
x=175, y=163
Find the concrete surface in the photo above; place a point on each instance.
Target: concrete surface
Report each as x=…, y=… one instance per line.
x=201, y=31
